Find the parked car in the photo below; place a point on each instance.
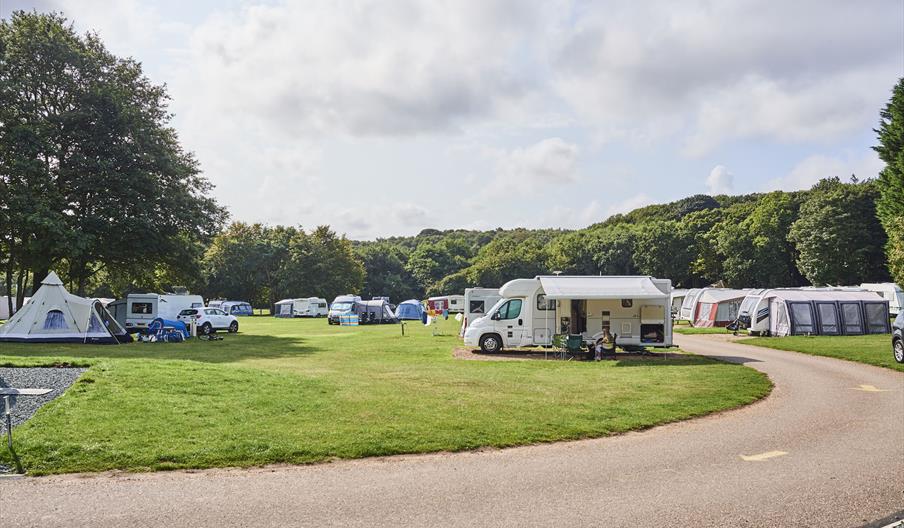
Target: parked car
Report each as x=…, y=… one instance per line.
x=897, y=338
x=209, y=320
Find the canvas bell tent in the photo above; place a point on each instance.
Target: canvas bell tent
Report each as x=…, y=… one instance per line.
x=53, y=315
x=717, y=307
x=410, y=310
x=811, y=311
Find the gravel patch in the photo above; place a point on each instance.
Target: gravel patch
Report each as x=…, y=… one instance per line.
x=24, y=407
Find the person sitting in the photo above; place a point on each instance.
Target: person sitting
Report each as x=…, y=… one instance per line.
x=605, y=345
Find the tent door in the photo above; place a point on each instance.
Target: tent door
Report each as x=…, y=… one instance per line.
x=802, y=318
x=827, y=318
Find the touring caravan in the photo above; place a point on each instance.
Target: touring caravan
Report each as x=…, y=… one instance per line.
x=717, y=307
x=689, y=305
x=137, y=310
x=890, y=292
x=813, y=311
x=635, y=309
x=677, y=298
x=306, y=307
x=452, y=303
x=477, y=302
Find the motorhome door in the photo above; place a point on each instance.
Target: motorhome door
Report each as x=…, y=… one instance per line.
x=511, y=319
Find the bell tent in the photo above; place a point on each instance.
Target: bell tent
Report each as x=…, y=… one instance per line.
x=53, y=315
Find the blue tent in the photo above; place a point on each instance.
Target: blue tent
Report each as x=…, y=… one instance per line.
x=410, y=310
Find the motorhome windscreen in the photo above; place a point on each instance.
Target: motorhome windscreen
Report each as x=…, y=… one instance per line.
x=496, y=306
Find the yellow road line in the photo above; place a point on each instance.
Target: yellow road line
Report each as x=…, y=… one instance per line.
x=868, y=388
x=763, y=456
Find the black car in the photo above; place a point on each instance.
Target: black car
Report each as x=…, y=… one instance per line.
x=897, y=338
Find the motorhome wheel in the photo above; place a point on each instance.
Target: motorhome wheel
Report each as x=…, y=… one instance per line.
x=490, y=343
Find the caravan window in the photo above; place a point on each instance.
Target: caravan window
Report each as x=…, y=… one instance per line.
x=544, y=304
x=476, y=307
x=851, y=318
x=802, y=319
x=143, y=308
x=55, y=321
x=876, y=318
x=510, y=310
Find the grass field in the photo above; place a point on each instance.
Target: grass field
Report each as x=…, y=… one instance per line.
x=692, y=330
x=300, y=391
x=870, y=349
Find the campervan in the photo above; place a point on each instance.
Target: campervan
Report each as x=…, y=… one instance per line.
x=890, y=292
x=237, y=308
x=477, y=302
x=813, y=311
x=137, y=310
x=635, y=309
x=306, y=307
x=343, y=304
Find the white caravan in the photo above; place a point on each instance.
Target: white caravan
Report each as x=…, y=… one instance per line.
x=677, y=300
x=307, y=307
x=635, y=309
x=452, y=303
x=137, y=310
x=890, y=291
x=813, y=311
x=689, y=305
x=477, y=302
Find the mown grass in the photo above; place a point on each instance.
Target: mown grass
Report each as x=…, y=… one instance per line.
x=300, y=391
x=870, y=349
x=693, y=330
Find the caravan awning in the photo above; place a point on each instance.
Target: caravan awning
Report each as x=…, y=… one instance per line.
x=590, y=287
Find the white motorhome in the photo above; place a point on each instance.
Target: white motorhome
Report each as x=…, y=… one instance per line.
x=477, y=302
x=635, y=309
x=813, y=311
x=890, y=291
x=137, y=310
x=306, y=307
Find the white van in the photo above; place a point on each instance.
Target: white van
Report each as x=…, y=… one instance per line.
x=137, y=310
x=477, y=302
x=635, y=309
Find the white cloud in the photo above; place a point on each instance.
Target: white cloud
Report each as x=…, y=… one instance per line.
x=629, y=204
x=720, y=181
x=549, y=161
x=818, y=166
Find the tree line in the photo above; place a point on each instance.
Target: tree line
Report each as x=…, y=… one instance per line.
x=95, y=185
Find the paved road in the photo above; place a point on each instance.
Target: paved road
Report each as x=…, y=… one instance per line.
x=822, y=454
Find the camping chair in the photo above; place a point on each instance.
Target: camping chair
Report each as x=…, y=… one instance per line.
x=572, y=344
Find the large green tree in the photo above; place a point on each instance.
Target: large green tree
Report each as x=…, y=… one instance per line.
x=837, y=235
x=93, y=177
x=385, y=273
x=890, y=205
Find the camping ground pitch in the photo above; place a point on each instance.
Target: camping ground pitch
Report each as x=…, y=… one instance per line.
x=301, y=391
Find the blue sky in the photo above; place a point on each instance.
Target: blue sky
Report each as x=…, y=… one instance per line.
x=383, y=118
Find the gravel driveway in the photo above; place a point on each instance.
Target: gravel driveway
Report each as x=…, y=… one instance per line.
x=23, y=407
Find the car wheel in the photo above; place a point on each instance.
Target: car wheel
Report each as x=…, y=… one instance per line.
x=233, y=327
x=899, y=350
x=490, y=343
x=206, y=329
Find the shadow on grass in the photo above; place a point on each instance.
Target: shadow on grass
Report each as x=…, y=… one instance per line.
x=233, y=347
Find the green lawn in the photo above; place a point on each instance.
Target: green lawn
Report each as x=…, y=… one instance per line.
x=691, y=330
x=870, y=349
x=300, y=391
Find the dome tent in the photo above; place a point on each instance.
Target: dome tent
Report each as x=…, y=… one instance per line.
x=410, y=310
x=53, y=315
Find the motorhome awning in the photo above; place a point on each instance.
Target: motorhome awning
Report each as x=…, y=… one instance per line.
x=563, y=287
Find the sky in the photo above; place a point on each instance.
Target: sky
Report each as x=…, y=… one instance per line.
x=386, y=117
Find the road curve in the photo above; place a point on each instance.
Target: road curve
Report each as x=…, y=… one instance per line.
x=819, y=452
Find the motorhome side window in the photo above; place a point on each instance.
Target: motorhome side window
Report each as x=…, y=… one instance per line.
x=544, y=304
x=510, y=310
x=141, y=308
